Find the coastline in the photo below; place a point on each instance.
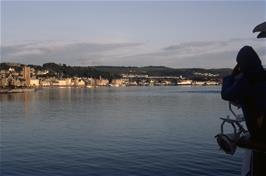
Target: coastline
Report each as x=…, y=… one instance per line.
x=34, y=89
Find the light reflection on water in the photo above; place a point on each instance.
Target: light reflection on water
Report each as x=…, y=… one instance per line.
x=114, y=131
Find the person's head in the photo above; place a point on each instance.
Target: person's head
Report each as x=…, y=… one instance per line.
x=247, y=59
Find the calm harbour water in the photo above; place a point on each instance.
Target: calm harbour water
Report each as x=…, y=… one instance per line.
x=114, y=131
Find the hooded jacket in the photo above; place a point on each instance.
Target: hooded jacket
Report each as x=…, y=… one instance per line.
x=248, y=89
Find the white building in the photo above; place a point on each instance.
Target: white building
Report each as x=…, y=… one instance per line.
x=199, y=83
x=185, y=82
x=34, y=82
x=45, y=83
x=212, y=83
x=102, y=82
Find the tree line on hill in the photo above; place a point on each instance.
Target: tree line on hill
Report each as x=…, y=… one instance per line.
x=111, y=72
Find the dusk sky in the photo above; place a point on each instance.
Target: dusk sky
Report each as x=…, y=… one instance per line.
x=177, y=34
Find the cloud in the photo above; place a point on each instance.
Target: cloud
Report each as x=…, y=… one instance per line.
x=207, y=54
x=205, y=47
x=69, y=53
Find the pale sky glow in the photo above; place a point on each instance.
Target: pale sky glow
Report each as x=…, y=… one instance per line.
x=176, y=34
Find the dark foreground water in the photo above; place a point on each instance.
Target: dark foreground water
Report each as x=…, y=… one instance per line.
x=114, y=131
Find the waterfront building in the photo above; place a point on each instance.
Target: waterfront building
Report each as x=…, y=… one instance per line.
x=26, y=75
x=19, y=82
x=3, y=82
x=60, y=83
x=11, y=82
x=144, y=82
x=102, y=82
x=45, y=83
x=166, y=82
x=34, y=82
x=199, y=83
x=81, y=83
x=68, y=81
x=212, y=83
x=90, y=82
x=78, y=82
x=152, y=82
x=119, y=82
x=184, y=82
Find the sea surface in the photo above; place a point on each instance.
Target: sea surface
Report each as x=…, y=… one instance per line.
x=136, y=131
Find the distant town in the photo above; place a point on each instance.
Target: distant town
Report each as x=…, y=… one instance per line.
x=19, y=76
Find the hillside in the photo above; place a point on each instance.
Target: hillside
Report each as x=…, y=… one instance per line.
x=116, y=71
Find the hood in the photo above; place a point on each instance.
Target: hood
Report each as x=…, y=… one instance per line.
x=250, y=64
x=248, y=59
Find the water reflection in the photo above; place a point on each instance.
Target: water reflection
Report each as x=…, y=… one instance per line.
x=109, y=131
x=23, y=99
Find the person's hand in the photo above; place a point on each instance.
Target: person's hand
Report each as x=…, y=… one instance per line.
x=236, y=70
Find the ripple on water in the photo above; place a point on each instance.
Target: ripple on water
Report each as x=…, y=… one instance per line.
x=128, y=131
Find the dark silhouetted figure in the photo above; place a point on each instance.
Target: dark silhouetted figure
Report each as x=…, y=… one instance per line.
x=246, y=87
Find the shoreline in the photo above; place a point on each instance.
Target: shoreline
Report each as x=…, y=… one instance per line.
x=19, y=90
x=23, y=90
